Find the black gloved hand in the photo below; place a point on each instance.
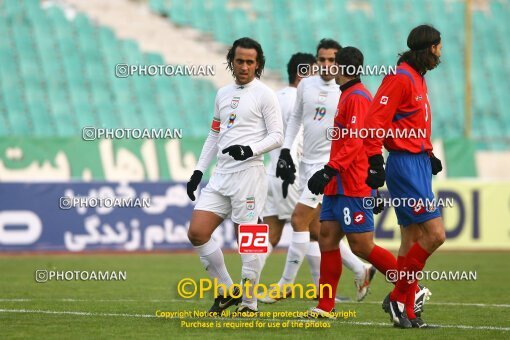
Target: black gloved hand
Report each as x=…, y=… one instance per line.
x=285, y=169
x=320, y=179
x=193, y=183
x=436, y=164
x=376, y=174
x=239, y=152
x=285, y=188
x=379, y=206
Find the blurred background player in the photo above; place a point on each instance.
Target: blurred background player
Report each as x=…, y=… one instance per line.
x=247, y=123
x=402, y=102
x=317, y=99
x=342, y=181
x=282, y=197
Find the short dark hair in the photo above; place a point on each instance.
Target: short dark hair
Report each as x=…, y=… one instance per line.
x=327, y=44
x=419, y=41
x=350, y=56
x=296, y=60
x=246, y=43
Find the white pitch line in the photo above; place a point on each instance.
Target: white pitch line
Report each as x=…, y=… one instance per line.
x=467, y=327
x=461, y=304
x=443, y=303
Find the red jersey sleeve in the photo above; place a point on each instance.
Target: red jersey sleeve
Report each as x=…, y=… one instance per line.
x=349, y=147
x=381, y=111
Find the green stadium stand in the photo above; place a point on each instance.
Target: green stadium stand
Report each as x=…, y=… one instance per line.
x=58, y=76
x=379, y=29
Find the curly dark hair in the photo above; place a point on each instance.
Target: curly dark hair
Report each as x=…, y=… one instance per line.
x=246, y=43
x=328, y=44
x=419, y=41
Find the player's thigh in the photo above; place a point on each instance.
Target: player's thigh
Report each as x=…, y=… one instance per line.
x=248, y=191
x=302, y=216
x=330, y=235
x=361, y=244
x=211, y=209
x=315, y=225
x=409, y=179
x=275, y=229
x=306, y=197
x=202, y=225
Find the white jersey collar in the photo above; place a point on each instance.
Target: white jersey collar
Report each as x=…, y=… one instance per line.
x=244, y=86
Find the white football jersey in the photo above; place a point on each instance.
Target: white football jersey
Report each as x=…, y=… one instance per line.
x=246, y=115
x=315, y=109
x=287, y=99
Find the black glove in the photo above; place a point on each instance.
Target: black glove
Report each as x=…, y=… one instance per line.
x=379, y=206
x=285, y=169
x=193, y=183
x=285, y=188
x=376, y=174
x=320, y=179
x=239, y=152
x=436, y=165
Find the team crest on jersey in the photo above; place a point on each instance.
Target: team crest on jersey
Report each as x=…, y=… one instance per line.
x=250, y=203
x=235, y=102
x=359, y=217
x=322, y=97
x=231, y=120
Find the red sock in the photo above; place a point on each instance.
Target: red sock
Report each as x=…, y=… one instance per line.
x=415, y=261
x=382, y=259
x=395, y=294
x=411, y=293
x=331, y=269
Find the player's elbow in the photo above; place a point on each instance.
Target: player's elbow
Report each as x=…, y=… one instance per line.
x=279, y=139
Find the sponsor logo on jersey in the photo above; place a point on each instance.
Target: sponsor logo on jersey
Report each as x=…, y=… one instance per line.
x=235, y=102
x=418, y=209
x=231, y=120
x=250, y=203
x=418, y=98
x=359, y=217
x=384, y=100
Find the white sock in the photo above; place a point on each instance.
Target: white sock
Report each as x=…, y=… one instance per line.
x=314, y=260
x=263, y=257
x=252, y=266
x=351, y=261
x=211, y=257
x=297, y=250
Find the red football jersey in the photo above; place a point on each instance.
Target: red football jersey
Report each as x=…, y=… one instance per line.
x=401, y=103
x=347, y=154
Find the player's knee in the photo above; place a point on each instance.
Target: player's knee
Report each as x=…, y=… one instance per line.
x=196, y=237
x=297, y=222
x=438, y=238
x=360, y=249
x=275, y=240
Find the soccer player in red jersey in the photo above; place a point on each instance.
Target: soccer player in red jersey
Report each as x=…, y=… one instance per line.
x=402, y=103
x=342, y=180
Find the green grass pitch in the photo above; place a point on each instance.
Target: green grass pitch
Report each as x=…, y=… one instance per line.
x=127, y=309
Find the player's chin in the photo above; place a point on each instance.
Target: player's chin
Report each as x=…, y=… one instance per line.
x=242, y=78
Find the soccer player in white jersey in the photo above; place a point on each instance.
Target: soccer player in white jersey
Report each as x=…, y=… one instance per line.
x=283, y=197
x=247, y=123
x=315, y=108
